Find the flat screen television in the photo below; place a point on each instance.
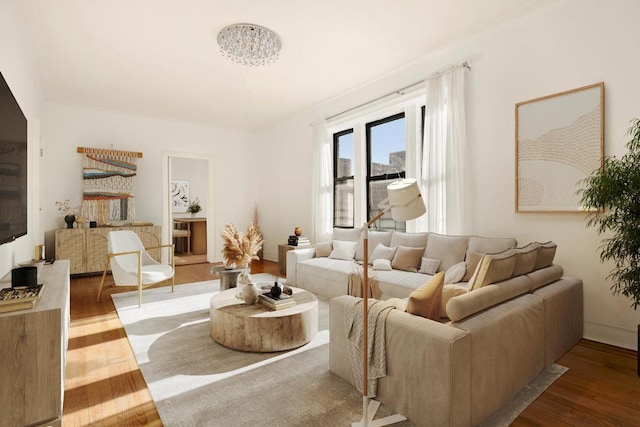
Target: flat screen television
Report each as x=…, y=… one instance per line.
x=13, y=166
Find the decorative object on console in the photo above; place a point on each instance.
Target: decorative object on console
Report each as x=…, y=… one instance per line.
x=559, y=142
x=297, y=231
x=68, y=211
x=194, y=206
x=299, y=240
x=249, y=44
x=109, y=184
x=405, y=203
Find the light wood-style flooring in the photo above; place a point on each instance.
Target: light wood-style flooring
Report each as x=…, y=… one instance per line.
x=104, y=385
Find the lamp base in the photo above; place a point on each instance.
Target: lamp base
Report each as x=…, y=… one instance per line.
x=372, y=407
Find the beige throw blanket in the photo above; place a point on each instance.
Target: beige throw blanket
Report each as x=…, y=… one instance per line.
x=376, y=352
x=355, y=286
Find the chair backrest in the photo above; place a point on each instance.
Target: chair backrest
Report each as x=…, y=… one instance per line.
x=125, y=241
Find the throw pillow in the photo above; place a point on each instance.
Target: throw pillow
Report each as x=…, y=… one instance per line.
x=383, y=252
x=323, y=249
x=455, y=273
x=525, y=259
x=546, y=252
x=381, y=264
x=473, y=258
x=343, y=250
x=493, y=268
x=429, y=266
x=425, y=301
x=407, y=259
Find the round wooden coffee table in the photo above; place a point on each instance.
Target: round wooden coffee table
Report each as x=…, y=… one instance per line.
x=237, y=325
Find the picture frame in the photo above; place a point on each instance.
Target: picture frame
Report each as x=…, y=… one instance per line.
x=559, y=142
x=179, y=196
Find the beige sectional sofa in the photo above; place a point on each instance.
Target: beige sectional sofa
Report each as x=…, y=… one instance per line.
x=489, y=344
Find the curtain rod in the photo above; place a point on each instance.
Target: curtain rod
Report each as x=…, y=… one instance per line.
x=400, y=91
x=109, y=151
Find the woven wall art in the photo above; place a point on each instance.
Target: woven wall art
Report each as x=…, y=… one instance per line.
x=109, y=185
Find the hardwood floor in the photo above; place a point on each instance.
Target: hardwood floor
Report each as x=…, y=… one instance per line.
x=104, y=386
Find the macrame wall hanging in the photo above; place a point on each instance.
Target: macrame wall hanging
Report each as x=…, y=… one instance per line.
x=109, y=185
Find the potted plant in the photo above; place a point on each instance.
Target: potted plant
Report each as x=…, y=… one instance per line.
x=194, y=206
x=613, y=192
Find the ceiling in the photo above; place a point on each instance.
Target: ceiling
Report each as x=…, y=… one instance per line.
x=160, y=58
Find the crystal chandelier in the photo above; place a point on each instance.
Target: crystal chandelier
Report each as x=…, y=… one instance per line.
x=249, y=44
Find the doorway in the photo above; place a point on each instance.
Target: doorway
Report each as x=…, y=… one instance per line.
x=193, y=174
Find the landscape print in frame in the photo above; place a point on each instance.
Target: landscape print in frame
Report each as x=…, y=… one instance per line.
x=559, y=142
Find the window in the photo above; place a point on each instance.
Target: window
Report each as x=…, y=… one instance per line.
x=386, y=159
x=343, y=172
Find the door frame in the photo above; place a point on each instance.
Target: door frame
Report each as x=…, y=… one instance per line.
x=166, y=185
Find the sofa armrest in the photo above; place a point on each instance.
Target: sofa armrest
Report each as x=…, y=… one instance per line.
x=293, y=258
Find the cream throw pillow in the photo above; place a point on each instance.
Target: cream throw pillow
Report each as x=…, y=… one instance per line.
x=429, y=266
x=473, y=258
x=455, y=273
x=382, y=264
x=343, y=250
x=383, y=252
x=323, y=249
x=425, y=301
x=407, y=259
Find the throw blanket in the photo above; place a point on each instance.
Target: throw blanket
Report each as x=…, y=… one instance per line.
x=355, y=286
x=376, y=352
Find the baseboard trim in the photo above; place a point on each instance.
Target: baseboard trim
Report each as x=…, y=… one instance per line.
x=612, y=335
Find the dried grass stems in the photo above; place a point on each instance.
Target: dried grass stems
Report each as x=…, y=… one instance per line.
x=240, y=249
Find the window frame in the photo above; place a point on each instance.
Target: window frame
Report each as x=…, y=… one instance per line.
x=343, y=179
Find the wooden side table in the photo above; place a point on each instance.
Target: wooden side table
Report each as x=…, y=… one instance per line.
x=282, y=258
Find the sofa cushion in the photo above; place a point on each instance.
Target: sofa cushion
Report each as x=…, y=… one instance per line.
x=383, y=252
x=449, y=249
x=493, y=268
x=407, y=259
x=323, y=249
x=375, y=238
x=546, y=253
x=348, y=234
x=412, y=240
x=343, y=250
x=472, y=260
x=429, y=266
x=455, y=273
x=525, y=259
x=490, y=245
x=382, y=264
x=425, y=301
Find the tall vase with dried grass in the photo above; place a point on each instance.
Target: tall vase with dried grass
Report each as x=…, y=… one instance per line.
x=240, y=249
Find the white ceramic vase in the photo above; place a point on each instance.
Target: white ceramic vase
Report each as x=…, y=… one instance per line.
x=250, y=294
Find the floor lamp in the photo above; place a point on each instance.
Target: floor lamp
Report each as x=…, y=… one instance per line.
x=405, y=203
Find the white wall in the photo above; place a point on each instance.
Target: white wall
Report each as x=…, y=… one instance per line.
x=194, y=171
x=19, y=71
x=64, y=128
x=566, y=46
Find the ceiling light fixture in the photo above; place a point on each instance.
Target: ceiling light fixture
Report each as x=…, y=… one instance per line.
x=249, y=44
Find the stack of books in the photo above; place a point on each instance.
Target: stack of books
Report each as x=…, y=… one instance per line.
x=299, y=241
x=276, y=303
x=22, y=298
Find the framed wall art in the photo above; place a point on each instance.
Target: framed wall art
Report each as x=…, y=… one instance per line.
x=179, y=196
x=559, y=142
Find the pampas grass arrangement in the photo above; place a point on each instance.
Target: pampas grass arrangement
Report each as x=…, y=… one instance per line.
x=240, y=249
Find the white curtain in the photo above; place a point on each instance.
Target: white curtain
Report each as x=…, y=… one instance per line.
x=322, y=184
x=444, y=152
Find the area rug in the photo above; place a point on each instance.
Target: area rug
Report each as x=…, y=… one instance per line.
x=196, y=382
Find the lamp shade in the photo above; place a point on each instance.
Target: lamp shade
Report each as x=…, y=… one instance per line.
x=405, y=200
